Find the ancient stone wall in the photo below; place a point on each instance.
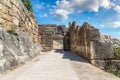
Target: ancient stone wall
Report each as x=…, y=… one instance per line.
x=80, y=39
x=89, y=43
x=19, y=36
x=50, y=32
x=46, y=38
x=13, y=14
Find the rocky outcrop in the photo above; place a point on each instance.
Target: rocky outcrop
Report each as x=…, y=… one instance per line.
x=86, y=41
x=19, y=36
x=109, y=39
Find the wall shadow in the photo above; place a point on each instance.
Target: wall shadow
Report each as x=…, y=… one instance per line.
x=70, y=55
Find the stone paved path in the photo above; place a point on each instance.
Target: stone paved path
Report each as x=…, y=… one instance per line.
x=60, y=65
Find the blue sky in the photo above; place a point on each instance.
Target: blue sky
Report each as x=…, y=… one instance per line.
x=102, y=14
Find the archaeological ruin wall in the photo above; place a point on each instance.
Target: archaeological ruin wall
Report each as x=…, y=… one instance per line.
x=52, y=35
x=19, y=35
x=14, y=15
x=101, y=50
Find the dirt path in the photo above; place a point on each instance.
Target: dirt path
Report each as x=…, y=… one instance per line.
x=59, y=65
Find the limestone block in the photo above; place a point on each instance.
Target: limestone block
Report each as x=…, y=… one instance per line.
x=29, y=24
x=32, y=21
x=99, y=63
x=4, y=9
x=1, y=46
x=102, y=51
x=15, y=21
x=13, y=14
x=5, y=16
x=13, y=1
x=3, y=1
x=1, y=6
x=22, y=17
x=2, y=21
x=8, y=3
x=15, y=9
x=94, y=35
x=17, y=3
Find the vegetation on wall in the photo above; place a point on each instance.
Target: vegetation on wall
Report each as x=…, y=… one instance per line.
x=113, y=70
x=117, y=51
x=11, y=30
x=28, y=4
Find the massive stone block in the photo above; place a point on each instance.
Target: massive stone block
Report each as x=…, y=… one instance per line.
x=89, y=43
x=16, y=48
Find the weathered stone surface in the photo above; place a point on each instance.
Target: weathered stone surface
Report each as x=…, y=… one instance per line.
x=50, y=32
x=55, y=29
x=102, y=51
x=89, y=43
x=109, y=39
x=14, y=12
x=15, y=21
x=16, y=49
x=19, y=36
x=46, y=38
x=2, y=21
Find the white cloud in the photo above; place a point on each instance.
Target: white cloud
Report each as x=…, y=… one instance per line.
x=117, y=8
x=114, y=24
x=64, y=8
x=43, y=15
x=37, y=7
x=106, y=3
x=61, y=10
x=63, y=14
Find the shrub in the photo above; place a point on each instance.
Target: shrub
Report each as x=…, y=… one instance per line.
x=28, y=5
x=11, y=30
x=117, y=51
x=111, y=69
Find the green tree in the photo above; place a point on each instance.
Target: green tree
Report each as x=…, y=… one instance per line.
x=28, y=4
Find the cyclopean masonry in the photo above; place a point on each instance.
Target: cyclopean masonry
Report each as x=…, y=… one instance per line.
x=89, y=43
